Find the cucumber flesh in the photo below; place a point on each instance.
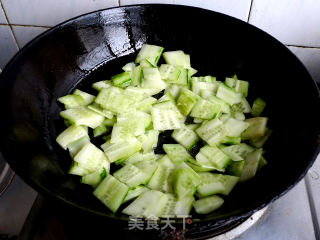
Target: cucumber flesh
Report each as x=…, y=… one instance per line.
x=131, y=175
x=134, y=193
x=149, y=204
x=70, y=135
x=237, y=152
x=212, y=131
x=214, y=183
x=251, y=164
x=185, y=136
x=258, y=107
x=186, y=182
x=111, y=192
x=94, y=178
x=214, y=156
x=257, y=128
x=208, y=204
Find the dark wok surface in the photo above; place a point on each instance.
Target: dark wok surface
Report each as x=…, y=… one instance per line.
x=95, y=46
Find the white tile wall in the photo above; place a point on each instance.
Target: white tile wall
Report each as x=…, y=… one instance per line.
x=8, y=46
x=310, y=57
x=235, y=8
x=2, y=16
x=25, y=34
x=50, y=12
x=294, y=22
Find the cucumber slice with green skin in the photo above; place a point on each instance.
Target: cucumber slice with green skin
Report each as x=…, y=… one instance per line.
x=205, y=110
x=176, y=153
x=75, y=169
x=235, y=127
x=136, y=76
x=231, y=140
x=212, y=131
x=129, y=67
x=238, y=115
x=208, y=204
x=230, y=82
x=214, y=183
x=94, y=178
x=176, y=58
x=147, y=63
x=258, y=107
x=111, y=192
x=152, y=78
x=257, y=128
x=260, y=141
x=100, y=130
x=242, y=87
x=251, y=164
x=242, y=106
x=186, y=101
x=192, y=126
x=149, y=140
x=178, y=208
x=96, y=108
x=228, y=95
x=149, y=204
x=236, y=168
x=214, y=156
x=71, y=101
x=121, y=150
x=146, y=104
x=135, y=192
x=82, y=116
x=75, y=146
x=185, y=182
x=150, y=52
x=101, y=85
x=200, y=167
x=262, y=162
x=122, y=79
x=170, y=73
x=131, y=175
x=166, y=97
x=237, y=152
x=185, y=136
x=165, y=119
x=160, y=179
x=174, y=90
x=70, y=135
x=86, y=97
x=91, y=158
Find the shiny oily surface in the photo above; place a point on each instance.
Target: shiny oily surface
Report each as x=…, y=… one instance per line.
x=95, y=46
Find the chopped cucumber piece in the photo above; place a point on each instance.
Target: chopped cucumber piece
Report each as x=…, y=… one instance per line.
x=122, y=149
x=260, y=141
x=185, y=182
x=75, y=146
x=86, y=97
x=129, y=67
x=152, y=79
x=94, y=178
x=149, y=140
x=235, y=127
x=214, y=183
x=258, y=107
x=101, y=85
x=251, y=164
x=70, y=135
x=185, y=136
x=111, y=192
x=150, y=52
x=131, y=175
x=257, y=128
x=149, y=204
x=237, y=152
x=134, y=193
x=178, y=208
x=122, y=79
x=100, y=130
x=208, y=204
x=225, y=107
x=136, y=76
x=177, y=58
x=213, y=156
x=228, y=95
x=205, y=110
x=96, y=108
x=262, y=162
x=71, y=101
x=174, y=90
x=186, y=101
x=212, y=131
x=82, y=116
x=176, y=153
x=165, y=119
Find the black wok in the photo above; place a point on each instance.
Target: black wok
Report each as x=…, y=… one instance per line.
x=95, y=46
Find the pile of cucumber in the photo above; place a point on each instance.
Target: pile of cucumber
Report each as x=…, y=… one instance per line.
x=128, y=116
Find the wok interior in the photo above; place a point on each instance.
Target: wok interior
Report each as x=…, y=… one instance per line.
x=96, y=46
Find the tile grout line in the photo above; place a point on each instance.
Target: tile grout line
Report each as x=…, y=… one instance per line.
x=299, y=46
x=249, y=14
x=11, y=28
x=315, y=222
